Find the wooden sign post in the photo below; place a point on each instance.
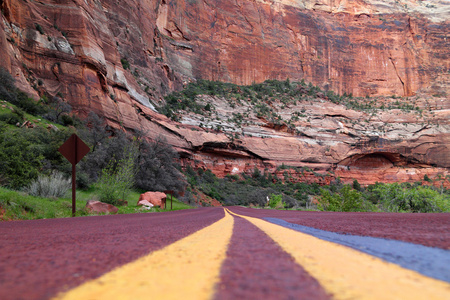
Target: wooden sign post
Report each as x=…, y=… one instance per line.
x=171, y=197
x=74, y=149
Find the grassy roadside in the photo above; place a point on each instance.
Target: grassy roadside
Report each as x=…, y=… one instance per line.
x=20, y=206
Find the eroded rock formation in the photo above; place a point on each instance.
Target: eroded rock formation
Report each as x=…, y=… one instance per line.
x=119, y=58
x=385, y=145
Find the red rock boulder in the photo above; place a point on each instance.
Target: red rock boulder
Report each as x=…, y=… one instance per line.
x=145, y=204
x=155, y=198
x=94, y=206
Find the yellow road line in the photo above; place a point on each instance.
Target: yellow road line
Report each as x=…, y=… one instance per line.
x=186, y=269
x=346, y=273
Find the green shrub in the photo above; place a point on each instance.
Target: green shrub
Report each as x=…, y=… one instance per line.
x=356, y=185
x=276, y=201
x=67, y=120
x=57, y=110
x=8, y=92
x=29, y=105
x=39, y=28
x=157, y=167
x=10, y=118
x=20, y=160
x=406, y=198
x=7, y=88
x=125, y=63
x=347, y=199
x=82, y=181
x=54, y=185
x=117, y=178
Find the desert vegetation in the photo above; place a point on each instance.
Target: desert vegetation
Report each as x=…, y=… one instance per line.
x=121, y=165
x=262, y=189
x=118, y=164
x=262, y=97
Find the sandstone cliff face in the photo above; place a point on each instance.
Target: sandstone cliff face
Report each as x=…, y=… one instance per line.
x=118, y=58
x=359, y=47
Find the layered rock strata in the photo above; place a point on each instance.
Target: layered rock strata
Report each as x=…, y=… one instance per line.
x=119, y=58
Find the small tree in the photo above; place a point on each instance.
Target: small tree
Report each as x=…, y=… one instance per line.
x=157, y=167
x=426, y=178
x=117, y=179
x=58, y=108
x=356, y=185
x=347, y=199
x=276, y=201
x=94, y=131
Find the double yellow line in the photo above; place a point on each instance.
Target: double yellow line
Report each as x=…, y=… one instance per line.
x=186, y=269
x=193, y=270
x=346, y=273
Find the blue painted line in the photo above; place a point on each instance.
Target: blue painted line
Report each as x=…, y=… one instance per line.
x=428, y=261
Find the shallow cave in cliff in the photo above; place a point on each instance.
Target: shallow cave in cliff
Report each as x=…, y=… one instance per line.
x=379, y=160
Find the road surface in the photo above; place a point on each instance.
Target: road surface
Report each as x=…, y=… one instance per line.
x=232, y=253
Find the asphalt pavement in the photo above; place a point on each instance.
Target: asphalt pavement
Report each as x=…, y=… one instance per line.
x=233, y=253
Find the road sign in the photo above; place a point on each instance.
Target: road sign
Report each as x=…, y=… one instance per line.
x=74, y=149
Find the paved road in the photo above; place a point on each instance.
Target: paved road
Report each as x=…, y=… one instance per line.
x=237, y=253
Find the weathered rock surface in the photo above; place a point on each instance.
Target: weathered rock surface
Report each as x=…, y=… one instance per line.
x=94, y=206
x=118, y=58
x=154, y=198
x=365, y=47
x=145, y=203
x=385, y=145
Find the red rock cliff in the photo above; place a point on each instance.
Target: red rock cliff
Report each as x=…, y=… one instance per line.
x=118, y=58
x=347, y=46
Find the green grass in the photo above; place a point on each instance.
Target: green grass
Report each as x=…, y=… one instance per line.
x=20, y=206
x=132, y=200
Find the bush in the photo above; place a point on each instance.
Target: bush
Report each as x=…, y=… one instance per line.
x=57, y=110
x=10, y=118
x=7, y=88
x=67, y=120
x=356, y=185
x=399, y=198
x=103, y=149
x=347, y=200
x=117, y=178
x=29, y=105
x=55, y=185
x=83, y=182
x=20, y=160
x=276, y=201
x=125, y=63
x=157, y=167
x=8, y=92
x=39, y=28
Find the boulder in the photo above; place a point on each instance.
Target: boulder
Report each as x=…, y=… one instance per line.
x=145, y=204
x=94, y=206
x=155, y=198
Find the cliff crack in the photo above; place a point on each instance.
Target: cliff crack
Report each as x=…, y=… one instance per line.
x=231, y=149
x=398, y=75
x=261, y=23
x=421, y=129
x=174, y=132
x=337, y=115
